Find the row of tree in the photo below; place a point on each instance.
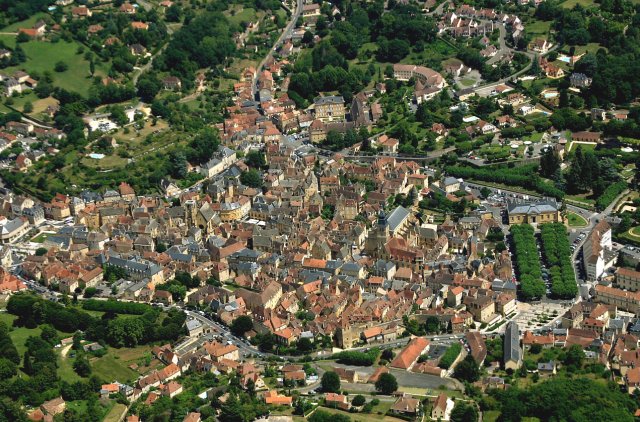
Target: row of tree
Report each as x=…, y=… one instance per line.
x=531, y=284
x=557, y=252
x=523, y=176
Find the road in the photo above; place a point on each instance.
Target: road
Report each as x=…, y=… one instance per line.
x=285, y=34
x=502, y=49
x=147, y=6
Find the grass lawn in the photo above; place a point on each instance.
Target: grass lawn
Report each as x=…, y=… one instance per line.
x=40, y=238
x=65, y=367
x=635, y=231
x=28, y=23
x=8, y=40
x=18, y=335
x=468, y=81
x=569, y=4
x=589, y=48
x=538, y=27
x=576, y=220
x=364, y=417
x=586, y=146
x=244, y=15
x=490, y=415
x=115, y=413
x=114, y=365
x=582, y=198
x=42, y=56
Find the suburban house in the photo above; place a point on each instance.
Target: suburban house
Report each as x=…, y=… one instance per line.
x=442, y=408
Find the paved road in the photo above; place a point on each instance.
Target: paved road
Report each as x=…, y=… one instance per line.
x=502, y=48
x=285, y=34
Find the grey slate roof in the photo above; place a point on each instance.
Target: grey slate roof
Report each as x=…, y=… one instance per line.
x=512, y=350
x=532, y=207
x=396, y=217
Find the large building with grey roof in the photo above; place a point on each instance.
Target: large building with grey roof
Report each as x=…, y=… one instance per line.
x=546, y=210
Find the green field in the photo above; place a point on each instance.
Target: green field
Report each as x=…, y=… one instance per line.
x=42, y=56
x=538, y=27
x=115, y=413
x=576, y=220
x=245, y=15
x=28, y=23
x=570, y=4
x=18, y=335
x=115, y=364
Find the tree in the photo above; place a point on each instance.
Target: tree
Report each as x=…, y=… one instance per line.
x=467, y=370
x=359, y=400
x=41, y=251
x=549, y=162
x=81, y=365
x=241, y=325
x=574, y=357
x=330, y=382
x=304, y=345
x=463, y=412
x=49, y=334
x=251, y=178
x=28, y=107
x=256, y=159
x=60, y=66
x=7, y=369
x=386, y=384
x=432, y=325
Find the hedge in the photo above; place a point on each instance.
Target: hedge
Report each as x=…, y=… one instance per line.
x=450, y=356
x=358, y=358
x=610, y=194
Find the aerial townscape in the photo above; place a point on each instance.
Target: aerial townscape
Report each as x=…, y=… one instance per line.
x=320, y=210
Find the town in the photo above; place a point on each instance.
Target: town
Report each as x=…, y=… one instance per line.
x=287, y=211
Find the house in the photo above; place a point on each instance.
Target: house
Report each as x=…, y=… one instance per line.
x=127, y=8
x=580, y=80
x=410, y=354
x=545, y=210
x=407, y=406
x=309, y=10
x=171, y=389
x=172, y=83
x=512, y=357
x=329, y=108
x=547, y=367
x=540, y=45
x=442, y=408
x=388, y=145
x=632, y=380
x=586, y=136
x=192, y=416
x=141, y=26
x=336, y=401
x=81, y=12
x=272, y=397
x=53, y=407
x=137, y=49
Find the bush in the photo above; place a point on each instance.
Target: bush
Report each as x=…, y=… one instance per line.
x=61, y=66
